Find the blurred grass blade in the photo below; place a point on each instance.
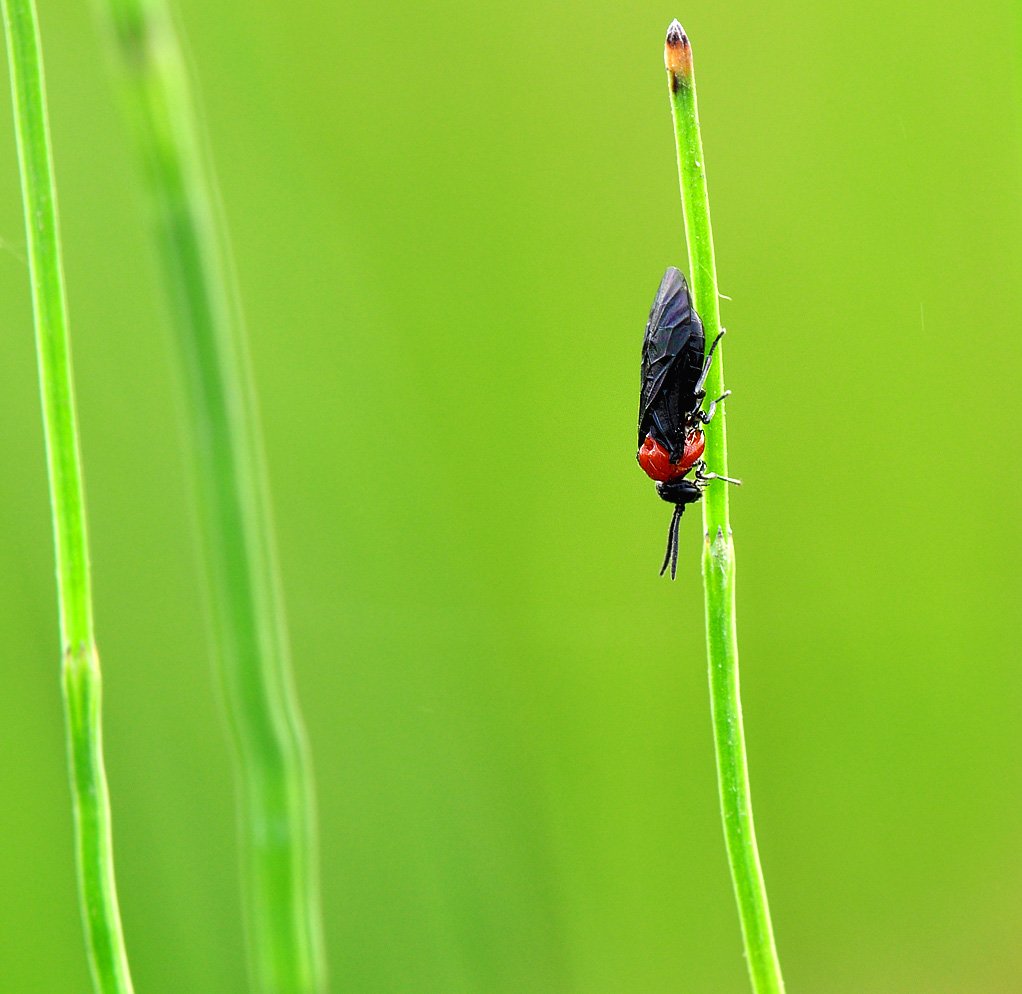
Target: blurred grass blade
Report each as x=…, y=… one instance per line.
x=97, y=889
x=718, y=551
x=275, y=792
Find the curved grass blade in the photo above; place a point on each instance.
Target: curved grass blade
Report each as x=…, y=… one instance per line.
x=80, y=673
x=718, y=550
x=275, y=796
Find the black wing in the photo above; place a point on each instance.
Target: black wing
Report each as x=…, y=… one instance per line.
x=672, y=357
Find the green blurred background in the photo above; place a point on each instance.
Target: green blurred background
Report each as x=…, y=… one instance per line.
x=449, y=223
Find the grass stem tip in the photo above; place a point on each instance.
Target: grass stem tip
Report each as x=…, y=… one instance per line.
x=678, y=56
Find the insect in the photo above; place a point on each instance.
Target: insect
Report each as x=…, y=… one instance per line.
x=674, y=371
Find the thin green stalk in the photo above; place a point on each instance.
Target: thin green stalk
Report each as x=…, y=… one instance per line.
x=276, y=808
x=80, y=673
x=718, y=550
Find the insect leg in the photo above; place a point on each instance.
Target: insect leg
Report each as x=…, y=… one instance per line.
x=702, y=477
x=707, y=415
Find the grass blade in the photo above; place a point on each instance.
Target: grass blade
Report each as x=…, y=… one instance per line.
x=276, y=810
x=718, y=551
x=80, y=667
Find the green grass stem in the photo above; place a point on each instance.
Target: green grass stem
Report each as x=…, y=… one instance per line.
x=276, y=808
x=80, y=670
x=718, y=550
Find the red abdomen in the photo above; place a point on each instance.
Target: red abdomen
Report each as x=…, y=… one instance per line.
x=656, y=463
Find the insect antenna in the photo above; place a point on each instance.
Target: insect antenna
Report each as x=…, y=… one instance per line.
x=671, y=556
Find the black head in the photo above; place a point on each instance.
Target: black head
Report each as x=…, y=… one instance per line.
x=680, y=492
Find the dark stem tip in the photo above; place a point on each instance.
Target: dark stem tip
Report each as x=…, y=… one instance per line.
x=677, y=54
x=676, y=36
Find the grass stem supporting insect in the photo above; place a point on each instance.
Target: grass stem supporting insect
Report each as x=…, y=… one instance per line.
x=276, y=807
x=718, y=552
x=80, y=673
